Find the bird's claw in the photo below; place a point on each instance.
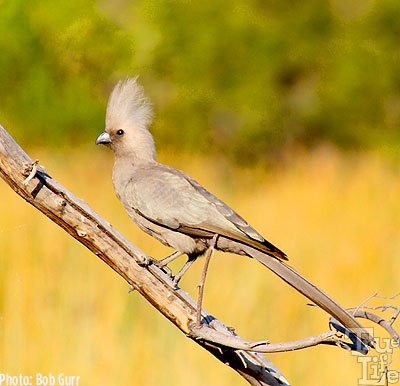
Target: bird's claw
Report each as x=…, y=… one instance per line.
x=175, y=280
x=167, y=270
x=146, y=261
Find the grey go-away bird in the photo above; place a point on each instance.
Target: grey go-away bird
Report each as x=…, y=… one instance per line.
x=171, y=206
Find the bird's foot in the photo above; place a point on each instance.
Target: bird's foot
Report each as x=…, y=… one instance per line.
x=161, y=265
x=145, y=261
x=148, y=261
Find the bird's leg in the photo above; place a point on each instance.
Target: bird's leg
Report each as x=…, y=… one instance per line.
x=162, y=263
x=209, y=253
x=183, y=270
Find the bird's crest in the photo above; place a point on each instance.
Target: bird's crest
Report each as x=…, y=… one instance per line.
x=128, y=105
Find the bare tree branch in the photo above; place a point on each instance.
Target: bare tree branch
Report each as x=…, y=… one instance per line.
x=329, y=337
x=211, y=335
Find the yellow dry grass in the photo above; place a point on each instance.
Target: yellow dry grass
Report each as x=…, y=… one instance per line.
x=63, y=311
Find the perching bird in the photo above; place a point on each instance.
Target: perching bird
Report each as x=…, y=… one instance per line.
x=171, y=206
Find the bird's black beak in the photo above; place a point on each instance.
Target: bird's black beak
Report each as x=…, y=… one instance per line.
x=103, y=139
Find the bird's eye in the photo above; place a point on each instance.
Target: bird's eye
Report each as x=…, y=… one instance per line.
x=120, y=132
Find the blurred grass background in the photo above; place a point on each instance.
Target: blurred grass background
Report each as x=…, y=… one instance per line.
x=289, y=112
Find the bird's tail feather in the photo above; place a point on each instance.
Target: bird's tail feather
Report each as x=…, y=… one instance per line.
x=312, y=292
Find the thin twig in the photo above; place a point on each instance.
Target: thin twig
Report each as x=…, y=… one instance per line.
x=383, y=307
x=387, y=297
x=366, y=300
x=209, y=254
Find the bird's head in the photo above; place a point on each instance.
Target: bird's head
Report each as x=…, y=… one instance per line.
x=129, y=112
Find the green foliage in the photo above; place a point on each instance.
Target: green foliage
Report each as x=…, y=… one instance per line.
x=241, y=77
x=56, y=58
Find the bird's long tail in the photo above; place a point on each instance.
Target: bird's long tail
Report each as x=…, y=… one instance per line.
x=312, y=292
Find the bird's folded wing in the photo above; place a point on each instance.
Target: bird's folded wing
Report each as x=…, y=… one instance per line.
x=171, y=198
